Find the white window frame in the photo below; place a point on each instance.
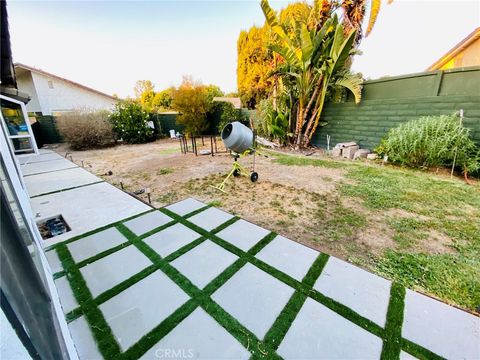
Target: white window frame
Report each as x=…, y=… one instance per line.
x=15, y=176
x=29, y=128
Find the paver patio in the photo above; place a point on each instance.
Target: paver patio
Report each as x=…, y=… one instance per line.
x=193, y=281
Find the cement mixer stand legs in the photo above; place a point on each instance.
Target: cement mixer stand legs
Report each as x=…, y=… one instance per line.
x=237, y=170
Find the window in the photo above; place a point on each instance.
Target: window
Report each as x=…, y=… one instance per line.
x=50, y=84
x=17, y=126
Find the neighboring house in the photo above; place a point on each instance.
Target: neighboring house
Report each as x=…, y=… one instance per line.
x=53, y=95
x=465, y=53
x=235, y=101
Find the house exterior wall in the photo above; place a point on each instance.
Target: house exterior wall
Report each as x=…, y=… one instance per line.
x=64, y=96
x=25, y=84
x=470, y=56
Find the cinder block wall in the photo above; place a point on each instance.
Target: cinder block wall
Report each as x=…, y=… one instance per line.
x=389, y=102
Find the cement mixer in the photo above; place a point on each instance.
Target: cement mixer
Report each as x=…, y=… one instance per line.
x=240, y=140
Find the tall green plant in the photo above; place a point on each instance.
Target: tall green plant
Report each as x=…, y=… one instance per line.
x=312, y=60
x=432, y=141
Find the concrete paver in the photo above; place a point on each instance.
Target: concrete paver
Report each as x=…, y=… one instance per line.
x=288, y=256
x=210, y=218
x=243, y=234
x=361, y=291
x=111, y=270
x=92, y=245
x=198, y=337
x=254, y=298
x=138, y=309
x=171, y=239
x=204, y=263
x=319, y=333
x=185, y=206
x=445, y=330
x=145, y=223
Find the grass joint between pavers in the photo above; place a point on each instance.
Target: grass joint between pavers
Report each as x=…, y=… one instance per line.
x=259, y=348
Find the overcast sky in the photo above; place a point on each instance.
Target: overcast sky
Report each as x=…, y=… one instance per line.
x=108, y=45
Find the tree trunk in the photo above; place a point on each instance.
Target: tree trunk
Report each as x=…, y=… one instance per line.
x=317, y=117
x=299, y=125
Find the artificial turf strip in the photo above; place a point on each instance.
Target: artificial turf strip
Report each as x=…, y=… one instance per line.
x=101, y=332
x=201, y=298
x=195, y=212
x=419, y=351
x=284, y=321
x=392, y=340
x=66, y=189
x=259, y=349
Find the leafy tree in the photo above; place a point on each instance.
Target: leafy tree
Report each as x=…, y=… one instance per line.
x=312, y=61
x=213, y=91
x=146, y=100
x=142, y=86
x=193, y=101
x=163, y=100
x=253, y=65
x=129, y=122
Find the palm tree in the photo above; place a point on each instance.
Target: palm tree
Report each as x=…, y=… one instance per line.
x=313, y=59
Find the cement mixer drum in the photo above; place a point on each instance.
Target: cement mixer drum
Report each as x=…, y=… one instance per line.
x=237, y=137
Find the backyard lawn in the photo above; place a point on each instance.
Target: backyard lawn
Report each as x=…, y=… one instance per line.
x=421, y=229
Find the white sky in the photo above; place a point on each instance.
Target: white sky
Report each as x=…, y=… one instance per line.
x=108, y=45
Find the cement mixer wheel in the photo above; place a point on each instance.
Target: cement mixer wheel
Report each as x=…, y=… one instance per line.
x=236, y=173
x=254, y=176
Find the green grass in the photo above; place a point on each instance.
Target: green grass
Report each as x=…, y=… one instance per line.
x=169, y=151
x=164, y=171
x=436, y=205
x=291, y=160
x=447, y=206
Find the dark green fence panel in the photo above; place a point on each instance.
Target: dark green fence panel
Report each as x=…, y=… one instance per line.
x=168, y=121
x=389, y=102
x=48, y=129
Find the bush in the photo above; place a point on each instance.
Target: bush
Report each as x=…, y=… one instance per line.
x=84, y=129
x=432, y=141
x=130, y=123
x=230, y=114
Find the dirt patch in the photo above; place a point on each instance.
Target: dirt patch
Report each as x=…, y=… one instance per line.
x=299, y=202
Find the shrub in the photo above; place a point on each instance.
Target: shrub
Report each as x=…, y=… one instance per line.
x=84, y=129
x=130, y=123
x=230, y=114
x=432, y=141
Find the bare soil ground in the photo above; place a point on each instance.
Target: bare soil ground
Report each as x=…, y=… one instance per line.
x=305, y=203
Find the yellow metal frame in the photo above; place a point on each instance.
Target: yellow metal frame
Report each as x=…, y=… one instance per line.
x=236, y=167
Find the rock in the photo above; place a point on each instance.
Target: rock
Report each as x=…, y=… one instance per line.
x=372, y=156
x=350, y=151
x=361, y=153
x=266, y=142
x=337, y=152
x=204, y=152
x=345, y=144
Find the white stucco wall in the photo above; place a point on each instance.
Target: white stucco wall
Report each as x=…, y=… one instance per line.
x=65, y=96
x=25, y=84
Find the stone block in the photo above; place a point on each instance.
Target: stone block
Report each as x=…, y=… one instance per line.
x=350, y=151
x=361, y=153
x=337, y=152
